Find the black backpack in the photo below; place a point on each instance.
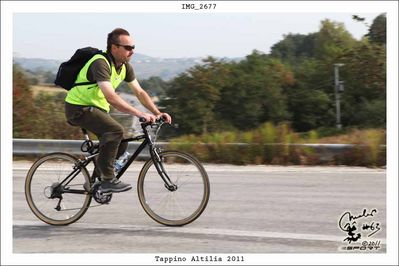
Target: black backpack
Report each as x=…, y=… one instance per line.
x=69, y=70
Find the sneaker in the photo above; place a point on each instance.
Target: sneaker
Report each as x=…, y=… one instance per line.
x=88, y=187
x=114, y=185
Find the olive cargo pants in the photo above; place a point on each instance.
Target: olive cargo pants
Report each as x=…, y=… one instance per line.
x=109, y=132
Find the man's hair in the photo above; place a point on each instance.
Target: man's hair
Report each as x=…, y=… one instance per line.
x=113, y=37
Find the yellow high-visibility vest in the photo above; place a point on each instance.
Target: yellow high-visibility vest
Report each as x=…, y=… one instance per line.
x=91, y=95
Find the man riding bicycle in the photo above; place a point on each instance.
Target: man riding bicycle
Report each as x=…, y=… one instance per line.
x=88, y=106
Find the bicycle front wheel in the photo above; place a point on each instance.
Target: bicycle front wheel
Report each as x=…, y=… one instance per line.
x=183, y=205
x=52, y=202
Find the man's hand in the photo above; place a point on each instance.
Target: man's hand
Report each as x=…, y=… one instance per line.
x=148, y=117
x=165, y=117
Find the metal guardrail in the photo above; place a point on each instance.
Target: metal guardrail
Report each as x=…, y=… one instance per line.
x=43, y=146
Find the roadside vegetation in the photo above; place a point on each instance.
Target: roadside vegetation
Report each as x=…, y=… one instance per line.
x=278, y=144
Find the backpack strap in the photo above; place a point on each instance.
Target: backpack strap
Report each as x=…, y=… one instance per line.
x=94, y=82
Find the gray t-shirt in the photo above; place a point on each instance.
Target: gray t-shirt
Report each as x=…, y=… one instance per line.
x=100, y=71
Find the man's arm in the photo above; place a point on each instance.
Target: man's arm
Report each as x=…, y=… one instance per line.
x=145, y=99
x=116, y=101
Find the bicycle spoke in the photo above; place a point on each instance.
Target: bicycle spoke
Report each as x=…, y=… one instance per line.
x=183, y=205
x=46, y=203
x=179, y=207
x=44, y=179
x=181, y=184
x=161, y=202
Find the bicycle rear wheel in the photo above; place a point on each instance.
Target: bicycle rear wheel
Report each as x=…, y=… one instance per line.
x=53, y=203
x=187, y=202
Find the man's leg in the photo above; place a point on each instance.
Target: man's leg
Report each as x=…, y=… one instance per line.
x=121, y=150
x=110, y=134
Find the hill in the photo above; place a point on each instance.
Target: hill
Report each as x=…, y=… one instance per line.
x=144, y=66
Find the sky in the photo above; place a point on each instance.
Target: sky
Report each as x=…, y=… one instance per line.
x=169, y=35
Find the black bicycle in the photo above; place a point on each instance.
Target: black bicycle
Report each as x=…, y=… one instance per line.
x=173, y=186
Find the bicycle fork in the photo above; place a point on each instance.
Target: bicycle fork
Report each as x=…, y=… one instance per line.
x=156, y=158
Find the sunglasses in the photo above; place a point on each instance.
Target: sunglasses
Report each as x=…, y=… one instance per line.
x=127, y=47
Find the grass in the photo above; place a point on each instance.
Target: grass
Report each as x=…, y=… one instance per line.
x=46, y=88
x=269, y=144
x=358, y=136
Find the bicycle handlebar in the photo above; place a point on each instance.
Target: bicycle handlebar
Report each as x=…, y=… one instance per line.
x=144, y=122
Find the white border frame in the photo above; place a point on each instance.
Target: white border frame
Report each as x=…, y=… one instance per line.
x=9, y=8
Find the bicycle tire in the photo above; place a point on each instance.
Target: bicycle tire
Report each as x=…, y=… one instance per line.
x=181, y=168
x=38, y=185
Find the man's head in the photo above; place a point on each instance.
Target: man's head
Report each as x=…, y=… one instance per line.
x=121, y=45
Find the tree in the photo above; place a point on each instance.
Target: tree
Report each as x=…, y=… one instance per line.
x=332, y=40
x=23, y=106
x=218, y=95
x=310, y=109
x=364, y=74
x=294, y=48
x=155, y=86
x=41, y=116
x=378, y=30
x=192, y=97
x=309, y=99
x=254, y=93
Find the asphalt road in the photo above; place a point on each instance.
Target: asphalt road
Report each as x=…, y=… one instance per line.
x=252, y=209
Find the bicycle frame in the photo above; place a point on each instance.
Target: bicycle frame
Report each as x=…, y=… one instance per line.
x=93, y=151
x=154, y=153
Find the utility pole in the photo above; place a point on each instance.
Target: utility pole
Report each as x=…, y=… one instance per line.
x=338, y=88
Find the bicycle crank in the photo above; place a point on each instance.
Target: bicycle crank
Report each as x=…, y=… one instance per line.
x=99, y=196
